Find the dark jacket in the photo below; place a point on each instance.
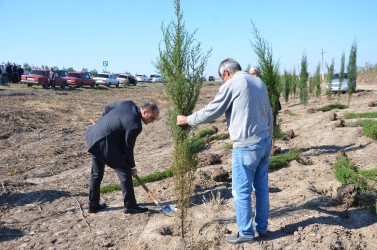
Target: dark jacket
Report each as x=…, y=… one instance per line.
x=120, y=124
x=9, y=69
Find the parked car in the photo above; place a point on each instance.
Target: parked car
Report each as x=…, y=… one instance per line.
x=79, y=79
x=126, y=79
x=156, y=78
x=211, y=78
x=336, y=85
x=106, y=79
x=150, y=77
x=40, y=77
x=142, y=78
x=204, y=78
x=3, y=73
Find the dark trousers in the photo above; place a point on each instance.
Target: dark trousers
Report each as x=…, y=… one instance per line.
x=52, y=83
x=117, y=162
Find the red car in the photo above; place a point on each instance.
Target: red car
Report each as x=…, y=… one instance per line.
x=79, y=79
x=40, y=77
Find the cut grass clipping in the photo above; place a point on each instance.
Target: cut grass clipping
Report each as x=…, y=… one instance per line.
x=369, y=127
x=283, y=160
x=346, y=174
x=360, y=115
x=331, y=107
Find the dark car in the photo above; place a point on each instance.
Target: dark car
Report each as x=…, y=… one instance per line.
x=211, y=78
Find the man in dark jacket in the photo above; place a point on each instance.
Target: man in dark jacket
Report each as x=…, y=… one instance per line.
x=9, y=73
x=20, y=72
x=15, y=73
x=111, y=141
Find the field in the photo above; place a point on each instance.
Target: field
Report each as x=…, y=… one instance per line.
x=45, y=171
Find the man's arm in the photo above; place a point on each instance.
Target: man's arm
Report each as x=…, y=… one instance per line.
x=223, y=100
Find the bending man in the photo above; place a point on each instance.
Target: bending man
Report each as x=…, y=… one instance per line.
x=111, y=141
x=244, y=100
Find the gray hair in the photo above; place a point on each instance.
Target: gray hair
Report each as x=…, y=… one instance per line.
x=150, y=107
x=255, y=68
x=229, y=65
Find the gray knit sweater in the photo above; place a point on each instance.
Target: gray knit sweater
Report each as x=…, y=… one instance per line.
x=244, y=100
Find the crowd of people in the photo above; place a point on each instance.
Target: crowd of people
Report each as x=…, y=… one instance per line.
x=13, y=72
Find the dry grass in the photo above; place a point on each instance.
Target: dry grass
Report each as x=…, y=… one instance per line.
x=214, y=202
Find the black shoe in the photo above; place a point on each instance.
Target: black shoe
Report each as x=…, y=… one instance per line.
x=238, y=239
x=135, y=210
x=94, y=209
x=263, y=235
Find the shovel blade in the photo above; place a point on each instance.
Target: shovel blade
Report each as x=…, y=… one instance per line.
x=168, y=210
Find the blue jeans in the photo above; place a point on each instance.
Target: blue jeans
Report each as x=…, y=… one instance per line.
x=250, y=172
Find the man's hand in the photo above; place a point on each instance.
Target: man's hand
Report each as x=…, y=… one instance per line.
x=181, y=120
x=134, y=172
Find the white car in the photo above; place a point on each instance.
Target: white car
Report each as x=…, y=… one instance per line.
x=336, y=85
x=106, y=79
x=156, y=78
x=142, y=78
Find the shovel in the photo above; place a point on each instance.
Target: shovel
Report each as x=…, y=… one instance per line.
x=167, y=210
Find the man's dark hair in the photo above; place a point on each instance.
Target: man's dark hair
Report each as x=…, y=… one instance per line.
x=150, y=107
x=230, y=65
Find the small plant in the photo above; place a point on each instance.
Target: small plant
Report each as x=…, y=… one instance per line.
x=370, y=174
x=204, y=133
x=370, y=129
x=360, y=115
x=341, y=74
x=229, y=146
x=330, y=77
x=286, y=85
x=317, y=81
x=352, y=70
x=292, y=114
x=304, y=80
x=283, y=160
x=331, y=107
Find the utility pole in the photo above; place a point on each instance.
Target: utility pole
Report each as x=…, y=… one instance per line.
x=323, y=76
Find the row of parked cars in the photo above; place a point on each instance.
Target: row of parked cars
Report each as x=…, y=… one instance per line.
x=78, y=79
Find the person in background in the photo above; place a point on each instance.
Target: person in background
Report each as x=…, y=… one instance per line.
x=254, y=71
x=51, y=77
x=9, y=72
x=20, y=72
x=14, y=73
x=244, y=100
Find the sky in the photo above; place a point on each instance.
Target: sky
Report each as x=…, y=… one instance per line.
x=127, y=33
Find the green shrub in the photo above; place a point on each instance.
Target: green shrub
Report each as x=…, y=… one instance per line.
x=360, y=115
x=220, y=137
x=197, y=145
x=331, y=107
x=204, y=133
x=283, y=160
x=346, y=174
x=358, y=123
x=370, y=129
x=292, y=114
x=229, y=146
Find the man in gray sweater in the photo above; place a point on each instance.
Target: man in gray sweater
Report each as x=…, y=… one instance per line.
x=244, y=100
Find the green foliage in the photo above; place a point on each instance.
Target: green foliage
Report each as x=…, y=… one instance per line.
x=197, y=145
x=70, y=69
x=330, y=77
x=94, y=72
x=283, y=160
x=341, y=73
x=157, y=176
x=346, y=174
x=269, y=70
x=311, y=85
x=294, y=83
x=358, y=123
x=331, y=107
x=220, y=137
x=360, y=115
x=352, y=69
x=27, y=67
x=317, y=81
x=304, y=80
x=229, y=146
x=286, y=85
x=370, y=202
x=181, y=64
x=292, y=114
x=84, y=70
x=370, y=174
x=370, y=129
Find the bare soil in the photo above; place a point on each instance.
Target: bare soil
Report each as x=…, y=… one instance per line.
x=45, y=171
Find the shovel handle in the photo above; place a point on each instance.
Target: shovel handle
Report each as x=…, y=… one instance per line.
x=146, y=189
